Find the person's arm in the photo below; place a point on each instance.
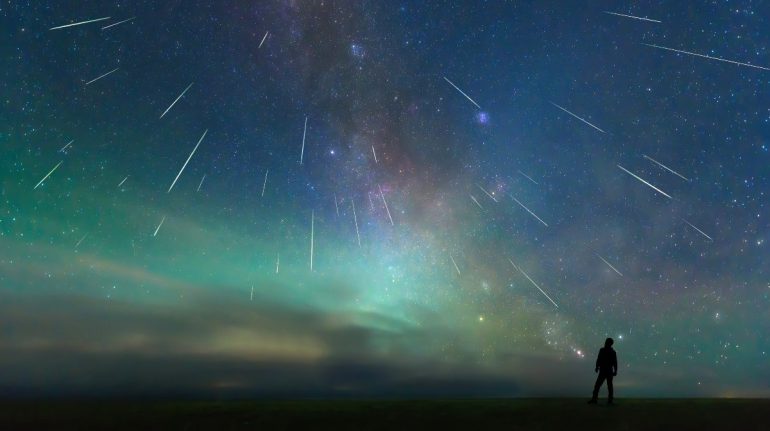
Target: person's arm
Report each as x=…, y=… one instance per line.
x=598, y=358
x=614, y=364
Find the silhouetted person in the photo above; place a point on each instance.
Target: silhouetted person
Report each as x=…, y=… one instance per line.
x=607, y=367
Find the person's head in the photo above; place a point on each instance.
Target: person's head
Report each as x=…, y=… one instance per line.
x=609, y=342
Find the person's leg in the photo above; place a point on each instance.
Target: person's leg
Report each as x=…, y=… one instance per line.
x=609, y=388
x=598, y=385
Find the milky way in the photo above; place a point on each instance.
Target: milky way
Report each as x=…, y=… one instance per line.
x=365, y=227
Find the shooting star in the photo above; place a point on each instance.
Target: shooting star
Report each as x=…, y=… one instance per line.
x=81, y=240
x=579, y=118
x=201, y=183
x=528, y=210
x=609, y=264
x=707, y=56
x=477, y=202
x=514, y=265
x=277, y=262
x=371, y=202
x=48, y=174
x=118, y=23
x=336, y=206
x=304, y=133
x=528, y=177
x=251, y=298
x=665, y=167
x=462, y=92
x=175, y=100
x=455, y=264
x=312, y=238
x=632, y=16
x=355, y=220
x=263, y=40
x=187, y=161
x=124, y=180
x=265, y=183
x=535, y=284
x=61, y=150
x=375, y=155
x=159, y=225
x=700, y=231
x=386, y=205
x=486, y=193
x=79, y=23
x=100, y=77
x=645, y=182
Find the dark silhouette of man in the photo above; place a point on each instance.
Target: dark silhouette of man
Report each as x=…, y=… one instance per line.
x=607, y=367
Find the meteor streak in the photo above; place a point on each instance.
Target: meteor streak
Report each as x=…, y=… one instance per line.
x=158, y=228
x=645, y=182
x=263, y=40
x=665, y=167
x=81, y=240
x=486, y=193
x=533, y=214
x=455, y=264
x=187, y=161
x=707, y=56
x=355, y=220
x=609, y=264
x=124, y=180
x=117, y=23
x=265, y=183
x=386, y=205
x=48, y=174
x=477, y=202
x=579, y=118
x=66, y=146
x=462, y=92
x=201, y=183
x=304, y=132
x=514, y=265
x=102, y=76
x=535, y=284
x=528, y=177
x=632, y=16
x=175, y=100
x=701, y=232
x=79, y=23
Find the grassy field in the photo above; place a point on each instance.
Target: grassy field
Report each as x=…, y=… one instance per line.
x=509, y=414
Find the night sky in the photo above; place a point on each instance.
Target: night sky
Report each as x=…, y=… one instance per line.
x=384, y=198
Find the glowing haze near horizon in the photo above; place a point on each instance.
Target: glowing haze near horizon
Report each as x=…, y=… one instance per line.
x=221, y=298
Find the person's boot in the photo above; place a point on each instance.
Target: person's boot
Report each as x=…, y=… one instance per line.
x=592, y=401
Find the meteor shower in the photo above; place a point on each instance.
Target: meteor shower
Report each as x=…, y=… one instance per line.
x=383, y=201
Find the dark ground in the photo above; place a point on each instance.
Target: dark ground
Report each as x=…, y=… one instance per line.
x=511, y=414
